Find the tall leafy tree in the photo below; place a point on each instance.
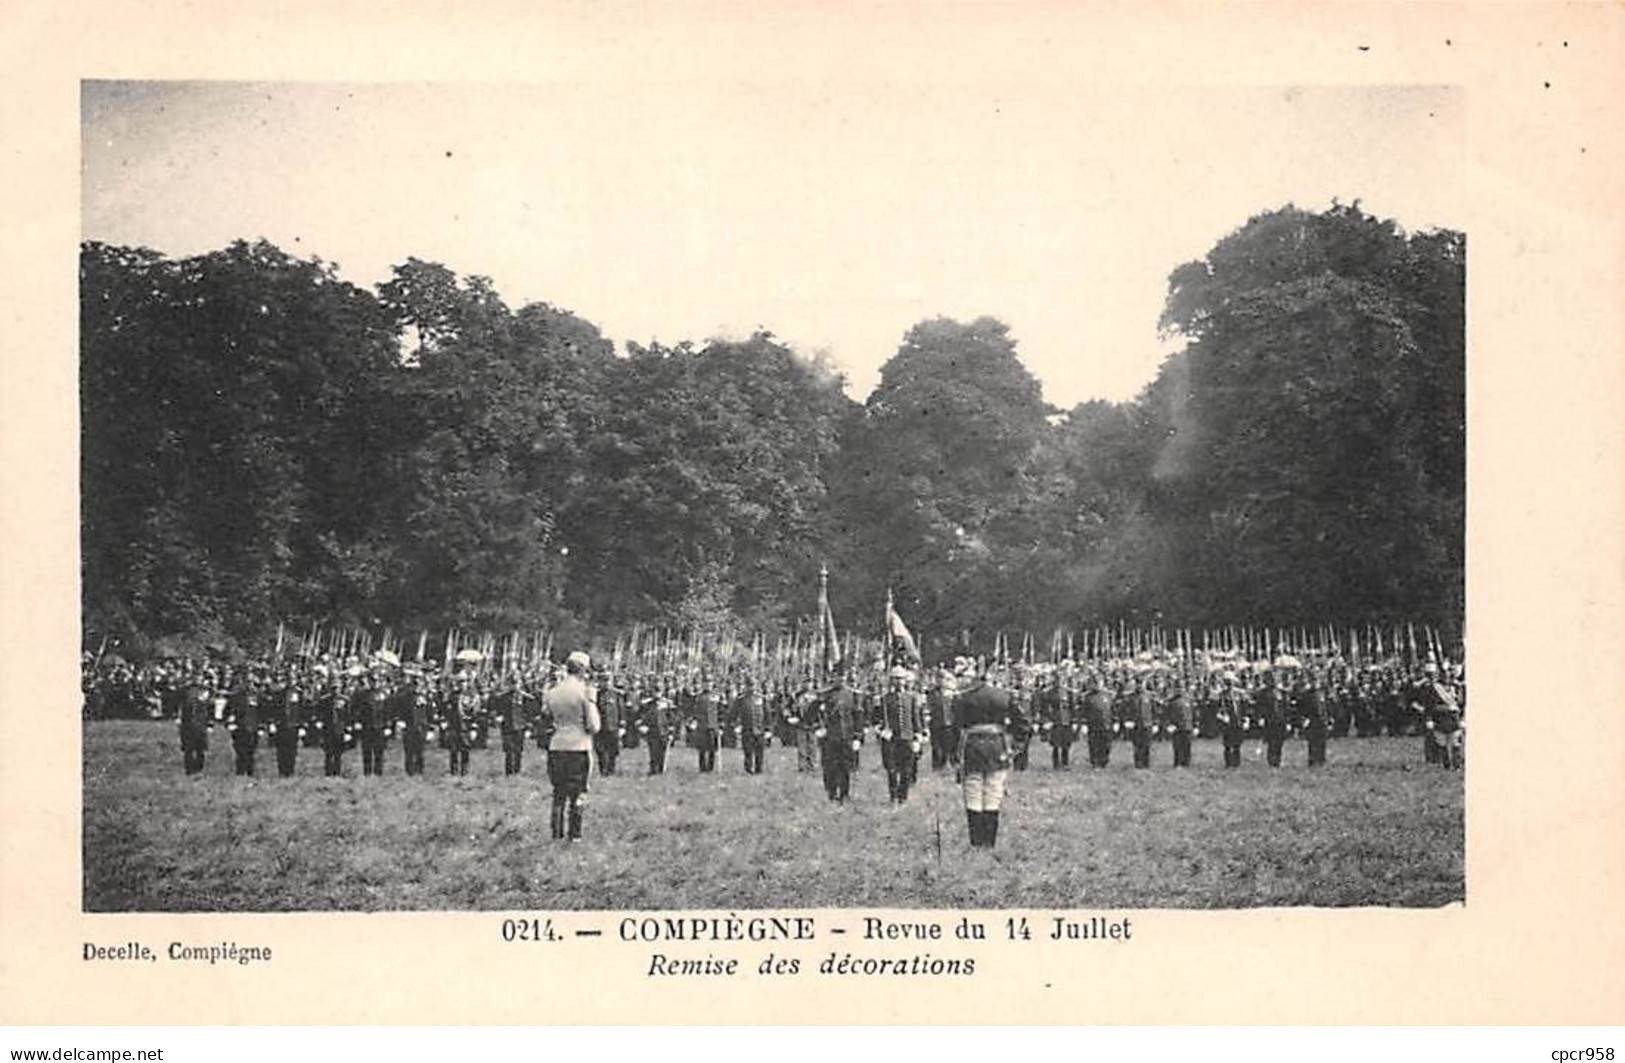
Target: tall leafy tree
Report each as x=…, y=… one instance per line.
x=1313, y=463
x=935, y=486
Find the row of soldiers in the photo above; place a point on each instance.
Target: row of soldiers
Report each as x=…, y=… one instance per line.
x=337, y=706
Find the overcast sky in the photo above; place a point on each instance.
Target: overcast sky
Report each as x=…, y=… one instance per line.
x=835, y=216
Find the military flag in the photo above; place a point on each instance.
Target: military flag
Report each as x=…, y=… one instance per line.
x=830, y=648
x=898, y=636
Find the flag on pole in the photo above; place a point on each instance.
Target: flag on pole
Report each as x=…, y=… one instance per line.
x=830, y=650
x=902, y=642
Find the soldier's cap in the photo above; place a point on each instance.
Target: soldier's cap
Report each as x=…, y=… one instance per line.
x=578, y=661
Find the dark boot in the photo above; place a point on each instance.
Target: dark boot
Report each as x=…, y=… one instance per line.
x=974, y=821
x=575, y=819
x=557, y=819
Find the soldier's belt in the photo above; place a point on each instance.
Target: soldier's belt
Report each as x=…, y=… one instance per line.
x=985, y=729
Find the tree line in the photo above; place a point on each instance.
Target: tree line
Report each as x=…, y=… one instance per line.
x=265, y=442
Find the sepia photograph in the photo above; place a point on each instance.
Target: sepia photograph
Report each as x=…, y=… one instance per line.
x=514, y=497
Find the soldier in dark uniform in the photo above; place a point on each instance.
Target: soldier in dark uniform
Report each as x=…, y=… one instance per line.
x=1274, y=710
x=285, y=708
x=1179, y=721
x=751, y=712
x=333, y=721
x=371, y=718
x=944, y=740
x=508, y=710
x=902, y=722
x=410, y=708
x=1391, y=706
x=1232, y=719
x=1440, y=708
x=1021, y=726
x=1098, y=721
x=606, y=743
x=707, y=726
x=838, y=736
x=727, y=718
x=984, y=756
x=243, y=721
x=459, y=710
x=171, y=693
x=1207, y=720
x=654, y=723
x=1366, y=722
x=1138, y=721
x=781, y=706
x=804, y=718
x=1055, y=707
x=1340, y=703
x=195, y=722
x=1316, y=724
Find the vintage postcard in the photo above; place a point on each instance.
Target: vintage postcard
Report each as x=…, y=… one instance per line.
x=955, y=513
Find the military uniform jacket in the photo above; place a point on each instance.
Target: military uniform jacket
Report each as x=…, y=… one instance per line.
x=1055, y=707
x=1137, y=710
x=458, y=710
x=751, y=712
x=707, y=711
x=243, y=710
x=1273, y=707
x=1097, y=710
x=838, y=714
x=399, y=707
x=367, y=710
x=1021, y=716
x=194, y=711
x=653, y=715
x=284, y=708
x=509, y=711
x=610, y=709
x=1312, y=706
x=1180, y=712
x=1232, y=710
x=902, y=714
x=334, y=720
x=978, y=708
x=1440, y=710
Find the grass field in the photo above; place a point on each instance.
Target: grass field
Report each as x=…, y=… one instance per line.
x=1375, y=827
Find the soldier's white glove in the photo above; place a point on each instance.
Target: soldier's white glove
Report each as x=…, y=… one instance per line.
x=856, y=745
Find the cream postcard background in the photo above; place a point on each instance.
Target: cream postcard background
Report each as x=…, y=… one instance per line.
x=1541, y=937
